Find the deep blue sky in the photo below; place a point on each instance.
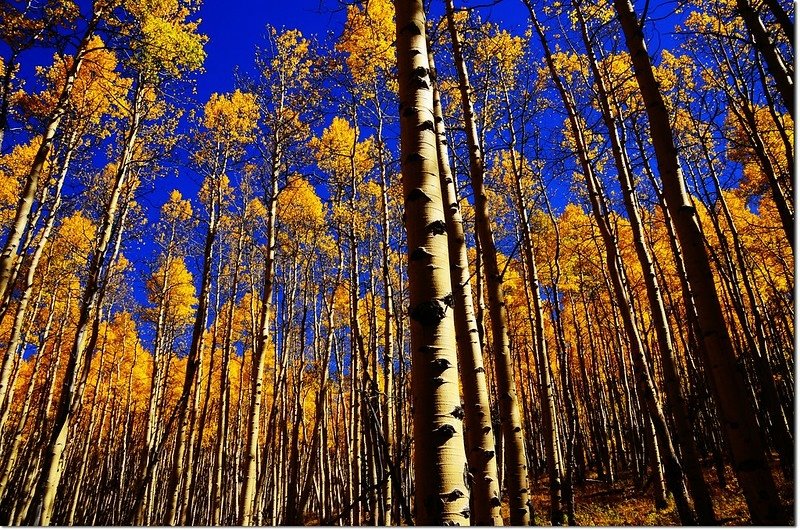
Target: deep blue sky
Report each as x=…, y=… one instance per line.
x=234, y=28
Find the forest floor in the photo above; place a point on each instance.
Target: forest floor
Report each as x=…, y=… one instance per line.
x=627, y=504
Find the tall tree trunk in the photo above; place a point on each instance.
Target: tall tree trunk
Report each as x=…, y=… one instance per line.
x=478, y=417
x=767, y=48
x=673, y=469
x=178, y=490
x=515, y=460
x=80, y=355
x=672, y=382
x=260, y=355
x=10, y=251
x=439, y=458
x=15, y=340
x=737, y=415
x=549, y=409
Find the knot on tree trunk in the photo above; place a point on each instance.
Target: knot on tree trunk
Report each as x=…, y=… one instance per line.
x=443, y=433
x=412, y=29
x=420, y=253
x=416, y=194
x=437, y=228
x=429, y=313
x=440, y=365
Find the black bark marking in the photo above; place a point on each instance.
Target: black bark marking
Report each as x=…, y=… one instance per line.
x=440, y=365
x=416, y=194
x=436, y=228
x=420, y=253
x=426, y=125
x=443, y=433
x=448, y=300
x=414, y=157
x=421, y=83
x=412, y=29
x=454, y=495
x=428, y=313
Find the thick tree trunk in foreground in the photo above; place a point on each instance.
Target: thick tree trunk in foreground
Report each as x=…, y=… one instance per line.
x=442, y=496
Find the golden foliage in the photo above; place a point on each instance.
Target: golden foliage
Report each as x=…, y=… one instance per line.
x=339, y=153
x=368, y=39
x=232, y=119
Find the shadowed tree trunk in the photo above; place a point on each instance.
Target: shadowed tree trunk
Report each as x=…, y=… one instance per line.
x=736, y=413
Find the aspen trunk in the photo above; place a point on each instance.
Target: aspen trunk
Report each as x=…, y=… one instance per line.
x=779, y=428
x=221, y=460
x=549, y=409
x=260, y=356
x=674, y=472
x=672, y=382
x=15, y=340
x=10, y=251
x=478, y=418
x=80, y=356
x=194, y=361
x=515, y=460
x=764, y=45
x=388, y=329
x=13, y=452
x=439, y=459
x=737, y=416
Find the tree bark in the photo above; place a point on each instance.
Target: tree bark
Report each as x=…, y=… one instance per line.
x=737, y=415
x=478, y=418
x=515, y=460
x=439, y=458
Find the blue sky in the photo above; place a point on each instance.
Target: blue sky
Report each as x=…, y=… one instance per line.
x=234, y=28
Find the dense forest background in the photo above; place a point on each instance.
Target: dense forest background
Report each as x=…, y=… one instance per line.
x=434, y=266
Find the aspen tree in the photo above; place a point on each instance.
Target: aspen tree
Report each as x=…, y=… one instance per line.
x=549, y=412
x=737, y=416
x=439, y=459
x=80, y=356
x=781, y=73
x=478, y=428
x=515, y=461
x=10, y=251
x=672, y=383
x=673, y=470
